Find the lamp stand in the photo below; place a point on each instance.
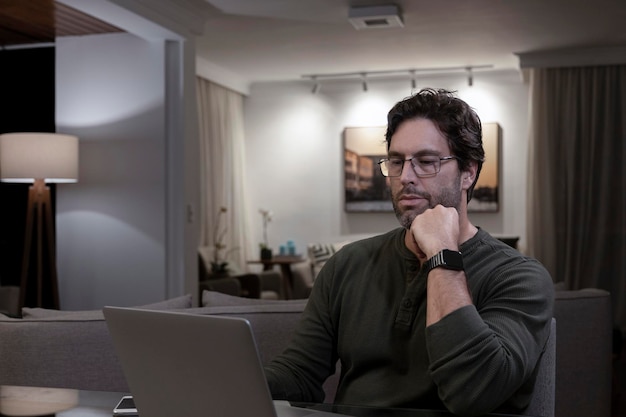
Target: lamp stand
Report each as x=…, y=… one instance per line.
x=39, y=210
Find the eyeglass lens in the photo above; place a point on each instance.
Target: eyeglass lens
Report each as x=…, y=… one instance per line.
x=422, y=165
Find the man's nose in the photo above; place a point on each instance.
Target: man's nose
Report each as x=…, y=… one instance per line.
x=408, y=176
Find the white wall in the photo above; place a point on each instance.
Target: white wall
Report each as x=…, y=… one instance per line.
x=111, y=225
x=128, y=232
x=295, y=155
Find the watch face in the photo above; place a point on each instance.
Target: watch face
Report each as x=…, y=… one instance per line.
x=453, y=259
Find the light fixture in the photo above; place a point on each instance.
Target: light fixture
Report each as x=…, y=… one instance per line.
x=39, y=158
x=411, y=74
x=375, y=17
x=316, y=86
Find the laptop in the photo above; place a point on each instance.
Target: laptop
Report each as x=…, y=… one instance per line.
x=190, y=365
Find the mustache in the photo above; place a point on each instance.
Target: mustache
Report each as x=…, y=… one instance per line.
x=412, y=191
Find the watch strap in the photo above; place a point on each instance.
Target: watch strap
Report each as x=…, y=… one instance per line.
x=448, y=259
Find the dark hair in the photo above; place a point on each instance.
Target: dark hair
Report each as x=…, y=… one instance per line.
x=454, y=118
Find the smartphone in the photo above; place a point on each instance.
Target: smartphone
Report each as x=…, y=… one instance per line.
x=126, y=407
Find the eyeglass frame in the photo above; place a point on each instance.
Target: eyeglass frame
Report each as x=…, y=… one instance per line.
x=442, y=159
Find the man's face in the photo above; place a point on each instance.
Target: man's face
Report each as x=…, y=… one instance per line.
x=412, y=195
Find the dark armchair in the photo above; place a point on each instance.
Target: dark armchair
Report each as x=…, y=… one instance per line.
x=265, y=285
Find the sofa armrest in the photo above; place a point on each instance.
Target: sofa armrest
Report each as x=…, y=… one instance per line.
x=583, y=345
x=10, y=300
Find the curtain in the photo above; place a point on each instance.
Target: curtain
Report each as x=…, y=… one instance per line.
x=222, y=169
x=577, y=178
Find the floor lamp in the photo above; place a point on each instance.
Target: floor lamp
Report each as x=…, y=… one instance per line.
x=39, y=158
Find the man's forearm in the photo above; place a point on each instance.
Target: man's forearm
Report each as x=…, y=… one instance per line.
x=447, y=291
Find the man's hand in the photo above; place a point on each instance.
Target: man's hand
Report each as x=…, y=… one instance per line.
x=434, y=230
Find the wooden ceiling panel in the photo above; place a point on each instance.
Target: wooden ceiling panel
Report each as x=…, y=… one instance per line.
x=71, y=22
x=41, y=21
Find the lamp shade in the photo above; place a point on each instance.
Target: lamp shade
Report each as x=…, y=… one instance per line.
x=25, y=157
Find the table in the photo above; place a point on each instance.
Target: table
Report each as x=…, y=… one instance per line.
x=363, y=411
x=32, y=401
x=100, y=404
x=59, y=402
x=285, y=262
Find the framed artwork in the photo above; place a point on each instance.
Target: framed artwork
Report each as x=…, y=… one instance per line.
x=486, y=190
x=366, y=188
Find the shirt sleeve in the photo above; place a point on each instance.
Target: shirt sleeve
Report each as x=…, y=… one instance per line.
x=300, y=371
x=482, y=354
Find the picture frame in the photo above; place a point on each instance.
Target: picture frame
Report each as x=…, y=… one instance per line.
x=366, y=190
x=487, y=190
x=365, y=186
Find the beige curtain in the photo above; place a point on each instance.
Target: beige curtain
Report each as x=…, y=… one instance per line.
x=577, y=178
x=222, y=170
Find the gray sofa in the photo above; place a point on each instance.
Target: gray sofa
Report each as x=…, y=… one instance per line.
x=60, y=349
x=73, y=350
x=63, y=349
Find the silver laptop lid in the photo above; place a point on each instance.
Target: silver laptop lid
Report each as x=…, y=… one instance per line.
x=180, y=364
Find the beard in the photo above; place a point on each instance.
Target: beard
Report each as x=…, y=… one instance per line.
x=447, y=197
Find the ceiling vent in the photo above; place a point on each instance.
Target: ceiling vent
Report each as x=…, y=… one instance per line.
x=375, y=17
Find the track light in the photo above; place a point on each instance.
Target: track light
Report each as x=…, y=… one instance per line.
x=316, y=86
x=402, y=73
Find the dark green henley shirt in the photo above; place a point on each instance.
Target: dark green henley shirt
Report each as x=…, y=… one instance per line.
x=368, y=310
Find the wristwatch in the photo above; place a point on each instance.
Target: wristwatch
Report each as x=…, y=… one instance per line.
x=448, y=259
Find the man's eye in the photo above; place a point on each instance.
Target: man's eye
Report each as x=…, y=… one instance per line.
x=427, y=161
x=396, y=162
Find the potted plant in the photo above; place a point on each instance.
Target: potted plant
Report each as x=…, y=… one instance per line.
x=266, y=251
x=219, y=263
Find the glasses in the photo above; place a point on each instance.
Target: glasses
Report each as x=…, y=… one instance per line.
x=423, y=166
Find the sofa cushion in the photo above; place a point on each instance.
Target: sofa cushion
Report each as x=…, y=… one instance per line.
x=272, y=321
x=60, y=351
x=50, y=314
x=214, y=298
x=65, y=349
x=319, y=253
x=183, y=301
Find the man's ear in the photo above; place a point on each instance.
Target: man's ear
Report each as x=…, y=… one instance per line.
x=469, y=175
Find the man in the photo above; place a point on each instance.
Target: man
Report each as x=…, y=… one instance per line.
x=437, y=313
